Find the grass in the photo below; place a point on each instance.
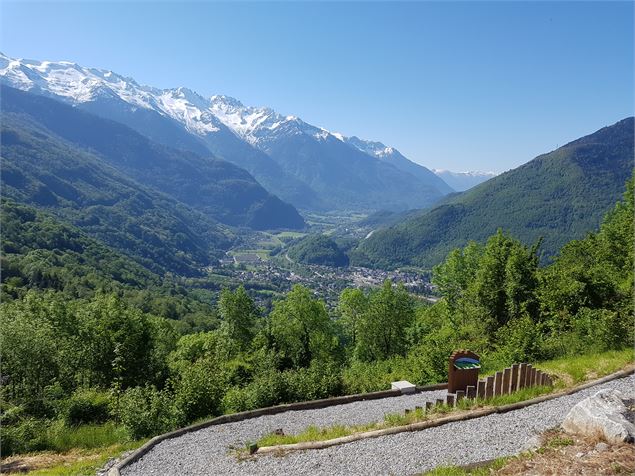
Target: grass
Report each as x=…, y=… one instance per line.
x=61, y=438
x=87, y=462
x=485, y=470
x=569, y=371
x=580, y=368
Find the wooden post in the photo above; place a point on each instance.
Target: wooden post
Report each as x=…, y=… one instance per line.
x=460, y=395
x=513, y=384
x=470, y=392
x=507, y=374
x=428, y=406
x=450, y=399
x=538, y=378
x=439, y=402
x=489, y=387
x=498, y=383
x=522, y=374
x=480, y=389
x=532, y=377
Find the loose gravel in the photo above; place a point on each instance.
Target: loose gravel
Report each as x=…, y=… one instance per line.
x=210, y=451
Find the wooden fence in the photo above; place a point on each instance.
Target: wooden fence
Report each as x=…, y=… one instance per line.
x=509, y=380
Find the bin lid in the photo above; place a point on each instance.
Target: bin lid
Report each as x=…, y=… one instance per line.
x=467, y=363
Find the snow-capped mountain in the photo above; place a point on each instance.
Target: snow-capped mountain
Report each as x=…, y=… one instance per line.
x=462, y=181
x=307, y=165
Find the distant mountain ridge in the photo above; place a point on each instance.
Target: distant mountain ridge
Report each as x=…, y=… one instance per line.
x=306, y=165
x=462, y=181
x=558, y=196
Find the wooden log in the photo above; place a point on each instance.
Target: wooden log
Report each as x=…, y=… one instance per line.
x=513, y=384
x=470, y=392
x=460, y=395
x=498, y=383
x=449, y=400
x=527, y=376
x=522, y=374
x=489, y=387
x=480, y=389
x=507, y=375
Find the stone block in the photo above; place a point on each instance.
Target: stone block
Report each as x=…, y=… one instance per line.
x=404, y=386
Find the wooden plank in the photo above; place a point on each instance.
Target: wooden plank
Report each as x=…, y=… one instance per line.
x=489, y=387
x=470, y=391
x=498, y=383
x=522, y=374
x=480, y=389
x=460, y=395
x=528, y=375
x=513, y=384
x=449, y=400
x=507, y=375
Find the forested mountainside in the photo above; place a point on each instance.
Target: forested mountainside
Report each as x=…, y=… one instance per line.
x=43, y=170
x=557, y=196
x=317, y=249
x=217, y=188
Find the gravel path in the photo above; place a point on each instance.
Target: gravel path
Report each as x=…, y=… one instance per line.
x=207, y=451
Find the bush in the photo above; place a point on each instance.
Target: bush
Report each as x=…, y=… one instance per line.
x=27, y=436
x=146, y=411
x=200, y=390
x=86, y=406
x=320, y=380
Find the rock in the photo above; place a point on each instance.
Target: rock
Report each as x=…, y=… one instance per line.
x=531, y=443
x=603, y=414
x=601, y=447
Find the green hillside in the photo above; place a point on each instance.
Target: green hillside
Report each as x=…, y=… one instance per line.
x=317, y=249
x=44, y=171
x=558, y=196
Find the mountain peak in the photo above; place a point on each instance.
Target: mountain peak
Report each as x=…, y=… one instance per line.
x=220, y=100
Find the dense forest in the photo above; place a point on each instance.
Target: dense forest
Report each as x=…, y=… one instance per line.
x=82, y=342
x=317, y=249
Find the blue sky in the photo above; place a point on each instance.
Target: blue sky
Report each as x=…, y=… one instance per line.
x=460, y=86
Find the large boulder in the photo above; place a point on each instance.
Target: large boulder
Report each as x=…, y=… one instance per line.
x=604, y=414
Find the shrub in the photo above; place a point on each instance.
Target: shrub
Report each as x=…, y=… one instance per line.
x=27, y=436
x=200, y=390
x=86, y=406
x=146, y=411
x=320, y=380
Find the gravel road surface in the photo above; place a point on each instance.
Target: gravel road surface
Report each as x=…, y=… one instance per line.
x=209, y=451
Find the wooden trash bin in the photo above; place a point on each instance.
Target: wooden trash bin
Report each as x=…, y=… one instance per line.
x=463, y=369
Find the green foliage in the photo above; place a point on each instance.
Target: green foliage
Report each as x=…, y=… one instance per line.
x=146, y=411
x=87, y=405
x=380, y=329
x=300, y=330
x=318, y=249
x=239, y=314
x=200, y=389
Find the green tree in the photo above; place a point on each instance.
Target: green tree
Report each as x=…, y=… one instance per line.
x=382, y=330
x=300, y=329
x=352, y=304
x=239, y=315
